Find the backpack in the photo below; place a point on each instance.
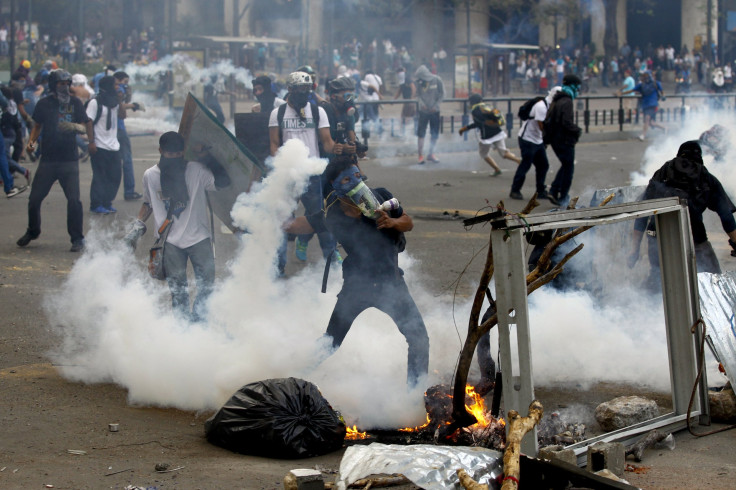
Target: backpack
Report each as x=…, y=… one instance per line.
x=526, y=108
x=99, y=110
x=315, y=116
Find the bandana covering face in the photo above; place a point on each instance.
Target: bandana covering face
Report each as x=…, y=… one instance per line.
x=571, y=90
x=62, y=92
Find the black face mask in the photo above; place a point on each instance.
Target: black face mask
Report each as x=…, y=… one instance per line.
x=298, y=99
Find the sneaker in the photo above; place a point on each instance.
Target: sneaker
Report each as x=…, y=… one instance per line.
x=516, y=195
x=542, y=195
x=641, y=137
x=553, y=200
x=496, y=173
x=25, y=239
x=300, y=249
x=111, y=209
x=432, y=158
x=100, y=210
x=420, y=160
x=27, y=175
x=134, y=196
x=15, y=191
x=77, y=246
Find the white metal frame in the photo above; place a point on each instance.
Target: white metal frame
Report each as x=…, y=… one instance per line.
x=680, y=297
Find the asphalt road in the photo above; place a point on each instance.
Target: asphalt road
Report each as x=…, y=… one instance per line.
x=43, y=415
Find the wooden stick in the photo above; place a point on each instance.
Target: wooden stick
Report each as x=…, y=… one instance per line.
x=518, y=427
x=650, y=439
x=468, y=483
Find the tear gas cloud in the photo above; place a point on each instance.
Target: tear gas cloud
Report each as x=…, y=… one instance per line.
x=117, y=326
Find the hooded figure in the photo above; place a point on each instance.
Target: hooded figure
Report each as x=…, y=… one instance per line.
x=430, y=92
x=108, y=97
x=264, y=94
x=686, y=177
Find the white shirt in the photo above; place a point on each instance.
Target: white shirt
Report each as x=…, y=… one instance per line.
x=105, y=139
x=530, y=129
x=303, y=130
x=192, y=225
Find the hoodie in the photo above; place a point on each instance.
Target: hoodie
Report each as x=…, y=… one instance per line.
x=430, y=90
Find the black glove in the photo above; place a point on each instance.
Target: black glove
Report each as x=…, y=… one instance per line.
x=222, y=179
x=733, y=247
x=136, y=106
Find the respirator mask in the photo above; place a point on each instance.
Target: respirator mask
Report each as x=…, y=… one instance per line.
x=349, y=184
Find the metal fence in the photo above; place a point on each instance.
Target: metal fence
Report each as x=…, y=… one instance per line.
x=597, y=111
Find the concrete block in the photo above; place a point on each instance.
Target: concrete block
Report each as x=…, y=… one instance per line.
x=558, y=453
x=607, y=456
x=304, y=479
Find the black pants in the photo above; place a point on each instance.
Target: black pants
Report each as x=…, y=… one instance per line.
x=531, y=154
x=67, y=173
x=391, y=297
x=106, y=174
x=560, y=187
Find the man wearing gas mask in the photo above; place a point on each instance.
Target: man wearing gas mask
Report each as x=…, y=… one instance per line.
x=307, y=122
x=370, y=225
x=58, y=118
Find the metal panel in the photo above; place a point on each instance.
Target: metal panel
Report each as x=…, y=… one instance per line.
x=680, y=293
x=513, y=310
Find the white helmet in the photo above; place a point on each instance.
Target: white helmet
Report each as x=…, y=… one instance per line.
x=298, y=79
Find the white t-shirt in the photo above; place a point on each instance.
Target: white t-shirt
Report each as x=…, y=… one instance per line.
x=105, y=139
x=303, y=130
x=193, y=224
x=530, y=128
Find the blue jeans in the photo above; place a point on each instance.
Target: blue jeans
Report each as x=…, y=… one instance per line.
x=5, y=169
x=560, y=187
x=531, y=154
x=203, y=264
x=312, y=200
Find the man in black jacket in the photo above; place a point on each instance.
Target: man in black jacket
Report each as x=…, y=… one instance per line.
x=562, y=133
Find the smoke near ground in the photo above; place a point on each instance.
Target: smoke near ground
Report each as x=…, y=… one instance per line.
x=117, y=326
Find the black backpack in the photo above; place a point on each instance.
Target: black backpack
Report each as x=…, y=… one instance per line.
x=526, y=108
x=99, y=110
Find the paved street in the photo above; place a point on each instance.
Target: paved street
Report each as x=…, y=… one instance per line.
x=44, y=415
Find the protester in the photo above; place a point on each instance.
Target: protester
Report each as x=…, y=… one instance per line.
x=306, y=121
x=561, y=132
x=104, y=150
x=430, y=92
x=57, y=118
x=651, y=92
x=371, y=274
x=125, y=103
x=533, y=151
x=263, y=92
x=686, y=177
x=407, y=91
x=174, y=190
x=489, y=125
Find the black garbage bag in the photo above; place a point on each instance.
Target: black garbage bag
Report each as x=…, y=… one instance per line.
x=279, y=418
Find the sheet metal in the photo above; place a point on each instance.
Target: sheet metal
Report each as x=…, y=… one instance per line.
x=718, y=308
x=430, y=467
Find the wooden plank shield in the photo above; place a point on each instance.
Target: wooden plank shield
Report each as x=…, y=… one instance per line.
x=199, y=126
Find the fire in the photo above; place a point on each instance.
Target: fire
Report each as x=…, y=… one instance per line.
x=417, y=428
x=354, y=433
x=478, y=408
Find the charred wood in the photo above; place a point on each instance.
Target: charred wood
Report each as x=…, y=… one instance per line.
x=650, y=439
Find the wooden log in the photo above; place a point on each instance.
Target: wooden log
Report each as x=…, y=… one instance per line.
x=650, y=439
x=518, y=427
x=468, y=483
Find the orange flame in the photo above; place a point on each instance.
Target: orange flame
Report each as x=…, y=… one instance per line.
x=354, y=433
x=478, y=408
x=417, y=428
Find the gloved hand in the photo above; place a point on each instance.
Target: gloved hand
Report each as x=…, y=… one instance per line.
x=462, y=130
x=137, y=106
x=733, y=247
x=135, y=231
x=70, y=127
